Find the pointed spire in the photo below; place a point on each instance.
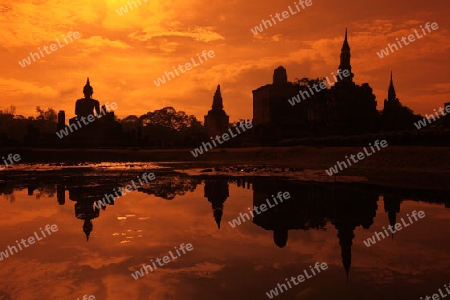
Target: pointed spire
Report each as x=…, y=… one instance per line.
x=217, y=193
x=217, y=100
x=87, y=228
x=218, y=215
x=344, y=63
x=391, y=91
x=345, y=46
x=218, y=91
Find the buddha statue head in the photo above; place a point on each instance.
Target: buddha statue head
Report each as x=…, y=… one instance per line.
x=88, y=90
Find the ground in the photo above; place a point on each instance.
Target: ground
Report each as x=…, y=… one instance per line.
x=399, y=166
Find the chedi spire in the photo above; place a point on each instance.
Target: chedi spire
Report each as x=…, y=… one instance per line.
x=217, y=100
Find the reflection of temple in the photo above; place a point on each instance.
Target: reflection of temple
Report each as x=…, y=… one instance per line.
x=86, y=211
x=61, y=194
x=311, y=207
x=293, y=214
x=351, y=208
x=392, y=207
x=216, y=122
x=85, y=196
x=216, y=190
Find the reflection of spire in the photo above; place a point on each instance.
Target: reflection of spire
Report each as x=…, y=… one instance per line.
x=217, y=193
x=392, y=207
x=87, y=228
x=280, y=237
x=30, y=190
x=345, y=234
x=60, y=194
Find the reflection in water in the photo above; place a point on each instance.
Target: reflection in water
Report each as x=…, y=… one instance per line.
x=85, y=197
x=171, y=187
x=216, y=190
x=392, y=207
x=85, y=194
x=310, y=207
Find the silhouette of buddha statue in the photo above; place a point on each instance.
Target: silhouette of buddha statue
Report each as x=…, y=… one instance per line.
x=85, y=106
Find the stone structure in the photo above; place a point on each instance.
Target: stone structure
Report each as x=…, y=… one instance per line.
x=270, y=104
x=351, y=108
x=446, y=121
x=85, y=106
x=217, y=121
x=61, y=120
x=103, y=131
x=391, y=108
x=395, y=116
x=345, y=108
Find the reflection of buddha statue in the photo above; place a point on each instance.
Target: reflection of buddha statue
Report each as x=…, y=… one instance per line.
x=85, y=106
x=86, y=211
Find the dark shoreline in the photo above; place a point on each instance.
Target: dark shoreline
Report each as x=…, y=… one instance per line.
x=413, y=167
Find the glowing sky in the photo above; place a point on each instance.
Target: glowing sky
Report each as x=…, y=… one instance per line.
x=122, y=55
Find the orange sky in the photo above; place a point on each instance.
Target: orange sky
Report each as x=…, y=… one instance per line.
x=122, y=55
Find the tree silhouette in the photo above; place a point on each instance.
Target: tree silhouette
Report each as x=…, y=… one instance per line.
x=168, y=127
x=48, y=115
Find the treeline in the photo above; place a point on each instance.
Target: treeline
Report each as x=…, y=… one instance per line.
x=165, y=127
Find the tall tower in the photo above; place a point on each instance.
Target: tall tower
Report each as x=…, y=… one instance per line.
x=391, y=104
x=217, y=99
x=61, y=120
x=345, y=60
x=391, y=91
x=216, y=122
